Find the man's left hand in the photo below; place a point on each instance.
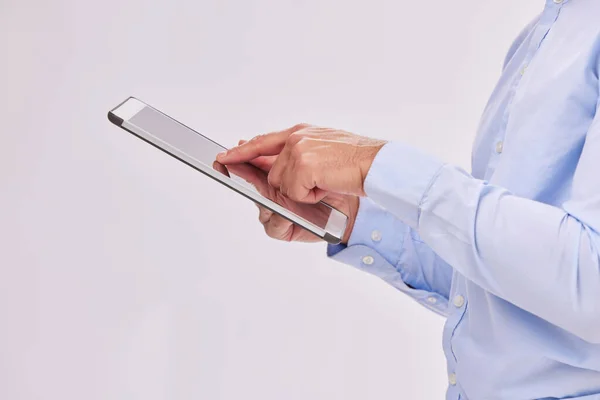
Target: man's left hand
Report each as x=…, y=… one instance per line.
x=311, y=161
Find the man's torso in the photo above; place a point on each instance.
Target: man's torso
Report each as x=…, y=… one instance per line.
x=529, y=141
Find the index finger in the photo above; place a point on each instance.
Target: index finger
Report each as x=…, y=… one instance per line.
x=270, y=144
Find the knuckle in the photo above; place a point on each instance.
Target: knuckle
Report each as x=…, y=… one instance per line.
x=269, y=231
x=300, y=126
x=275, y=223
x=303, y=161
x=293, y=194
x=293, y=139
x=256, y=140
x=273, y=229
x=296, y=150
x=305, y=142
x=272, y=180
x=298, y=136
x=263, y=215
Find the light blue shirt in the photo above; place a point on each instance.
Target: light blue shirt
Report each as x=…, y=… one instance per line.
x=509, y=253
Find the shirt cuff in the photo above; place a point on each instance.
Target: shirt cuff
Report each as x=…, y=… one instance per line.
x=368, y=260
x=376, y=228
x=399, y=178
x=376, y=246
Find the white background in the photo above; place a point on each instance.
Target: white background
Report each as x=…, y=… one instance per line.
x=127, y=275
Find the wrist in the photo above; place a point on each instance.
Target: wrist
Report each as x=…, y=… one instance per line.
x=366, y=158
x=353, y=205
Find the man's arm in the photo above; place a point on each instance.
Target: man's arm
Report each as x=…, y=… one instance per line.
x=382, y=245
x=541, y=258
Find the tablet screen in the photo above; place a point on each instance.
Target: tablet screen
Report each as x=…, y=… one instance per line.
x=168, y=133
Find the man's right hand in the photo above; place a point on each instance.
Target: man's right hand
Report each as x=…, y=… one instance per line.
x=275, y=225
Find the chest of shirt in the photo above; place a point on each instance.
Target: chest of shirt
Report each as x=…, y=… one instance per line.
x=534, y=127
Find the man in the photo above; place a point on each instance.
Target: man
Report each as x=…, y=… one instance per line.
x=510, y=253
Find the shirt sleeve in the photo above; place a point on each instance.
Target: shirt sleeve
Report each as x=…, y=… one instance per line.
x=492, y=237
x=384, y=246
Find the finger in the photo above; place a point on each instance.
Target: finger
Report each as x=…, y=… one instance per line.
x=279, y=167
x=298, y=181
x=318, y=195
x=217, y=166
x=264, y=214
x=303, y=195
x=287, y=183
x=250, y=174
x=270, y=144
x=263, y=145
x=295, y=182
x=265, y=162
x=303, y=182
x=297, y=185
x=279, y=228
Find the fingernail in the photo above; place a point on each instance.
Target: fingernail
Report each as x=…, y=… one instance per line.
x=221, y=155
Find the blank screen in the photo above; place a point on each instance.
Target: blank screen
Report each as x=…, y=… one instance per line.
x=205, y=151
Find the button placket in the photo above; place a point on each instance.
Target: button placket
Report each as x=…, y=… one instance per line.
x=457, y=310
x=458, y=301
x=545, y=23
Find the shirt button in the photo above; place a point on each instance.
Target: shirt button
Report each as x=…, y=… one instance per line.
x=376, y=236
x=524, y=69
x=458, y=301
x=368, y=260
x=499, y=147
x=558, y=1
x=431, y=300
x=452, y=379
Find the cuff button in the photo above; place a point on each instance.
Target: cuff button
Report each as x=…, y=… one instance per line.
x=368, y=260
x=376, y=236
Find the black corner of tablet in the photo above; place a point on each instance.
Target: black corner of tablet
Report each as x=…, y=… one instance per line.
x=114, y=119
x=329, y=238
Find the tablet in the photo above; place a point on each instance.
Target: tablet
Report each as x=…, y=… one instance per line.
x=200, y=152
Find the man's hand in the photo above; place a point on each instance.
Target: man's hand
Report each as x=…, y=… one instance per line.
x=275, y=225
x=311, y=162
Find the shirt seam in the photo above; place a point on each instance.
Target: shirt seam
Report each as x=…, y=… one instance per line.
x=426, y=192
x=454, y=331
x=402, y=249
